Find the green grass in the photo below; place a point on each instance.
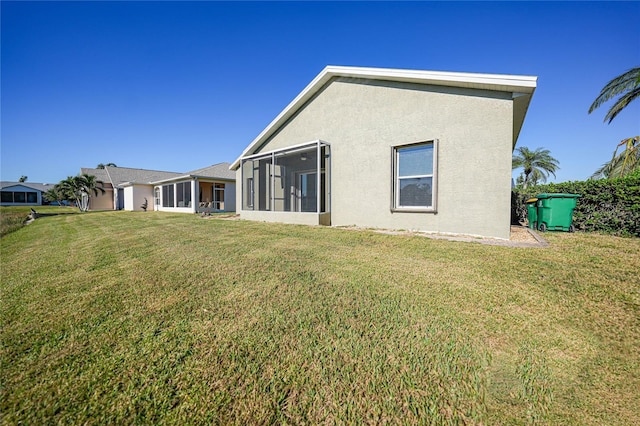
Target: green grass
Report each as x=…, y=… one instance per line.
x=14, y=218
x=157, y=318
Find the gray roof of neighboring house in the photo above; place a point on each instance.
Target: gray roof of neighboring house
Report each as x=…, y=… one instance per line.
x=100, y=174
x=220, y=171
x=37, y=186
x=122, y=175
x=119, y=175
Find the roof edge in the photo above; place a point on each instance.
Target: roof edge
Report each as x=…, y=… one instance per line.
x=500, y=82
x=184, y=177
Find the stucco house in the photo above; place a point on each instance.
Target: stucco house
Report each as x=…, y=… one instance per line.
x=390, y=148
x=209, y=189
x=22, y=193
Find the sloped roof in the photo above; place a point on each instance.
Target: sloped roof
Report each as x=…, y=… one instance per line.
x=217, y=171
x=220, y=171
x=120, y=175
x=521, y=87
x=36, y=186
x=100, y=174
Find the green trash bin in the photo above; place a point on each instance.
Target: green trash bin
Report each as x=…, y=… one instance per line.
x=532, y=213
x=555, y=211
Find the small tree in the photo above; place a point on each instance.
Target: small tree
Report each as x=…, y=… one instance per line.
x=537, y=165
x=79, y=189
x=54, y=195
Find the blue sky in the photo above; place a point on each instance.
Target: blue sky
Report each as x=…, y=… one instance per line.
x=178, y=86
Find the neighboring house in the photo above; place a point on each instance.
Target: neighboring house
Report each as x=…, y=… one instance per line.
x=210, y=189
x=22, y=193
x=388, y=148
x=127, y=188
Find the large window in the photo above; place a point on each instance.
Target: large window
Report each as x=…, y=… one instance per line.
x=290, y=180
x=167, y=196
x=19, y=197
x=414, y=177
x=183, y=194
x=7, y=197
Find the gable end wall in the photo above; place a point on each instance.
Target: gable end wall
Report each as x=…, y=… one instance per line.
x=362, y=120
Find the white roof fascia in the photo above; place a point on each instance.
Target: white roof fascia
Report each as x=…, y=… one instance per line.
x=500, y=82
x=212, y=178
x=292, y=148
x=496, y=82
x=190, y=177
x=183, y=177
x=125, y=184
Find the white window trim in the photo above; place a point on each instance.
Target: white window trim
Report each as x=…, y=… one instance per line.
x=395, y=192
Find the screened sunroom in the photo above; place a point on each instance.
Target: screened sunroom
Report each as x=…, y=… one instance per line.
x=293, y=180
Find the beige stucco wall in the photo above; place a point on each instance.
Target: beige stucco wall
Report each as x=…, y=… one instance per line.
x=102, y=201
x=361, y=120
x=134, y=196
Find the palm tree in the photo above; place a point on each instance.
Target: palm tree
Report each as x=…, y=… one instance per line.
x=69, y=190
x=537, y=165
x=626, y=85
x=621, y=164
x=79, y=189
x=102, y=166
x=54, y=194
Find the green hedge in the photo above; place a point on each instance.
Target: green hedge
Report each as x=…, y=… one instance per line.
x=610, y=206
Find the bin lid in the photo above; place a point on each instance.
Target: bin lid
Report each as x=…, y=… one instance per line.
x=531, y=200
x=558, y=195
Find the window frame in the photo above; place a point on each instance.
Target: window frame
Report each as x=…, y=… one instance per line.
x=183, y=194
x=395, y=179
x=168, y=195
x=7, y=197
x=32, y=197
x=218, y=188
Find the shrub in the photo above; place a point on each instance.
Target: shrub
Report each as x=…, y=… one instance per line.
x=610, y=206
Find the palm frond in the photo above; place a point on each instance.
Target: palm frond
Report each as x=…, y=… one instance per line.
x=621, y=104
x=624, y=82
x=623, y=163
x=603, y=171
x=536, y=164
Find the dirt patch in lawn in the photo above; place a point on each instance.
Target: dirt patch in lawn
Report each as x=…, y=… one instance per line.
x=520, y=237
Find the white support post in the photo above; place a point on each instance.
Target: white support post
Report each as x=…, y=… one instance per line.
x=318, y=176
x=195, y=191
x=273, y=181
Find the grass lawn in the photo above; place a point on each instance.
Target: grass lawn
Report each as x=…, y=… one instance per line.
x=156, y=318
